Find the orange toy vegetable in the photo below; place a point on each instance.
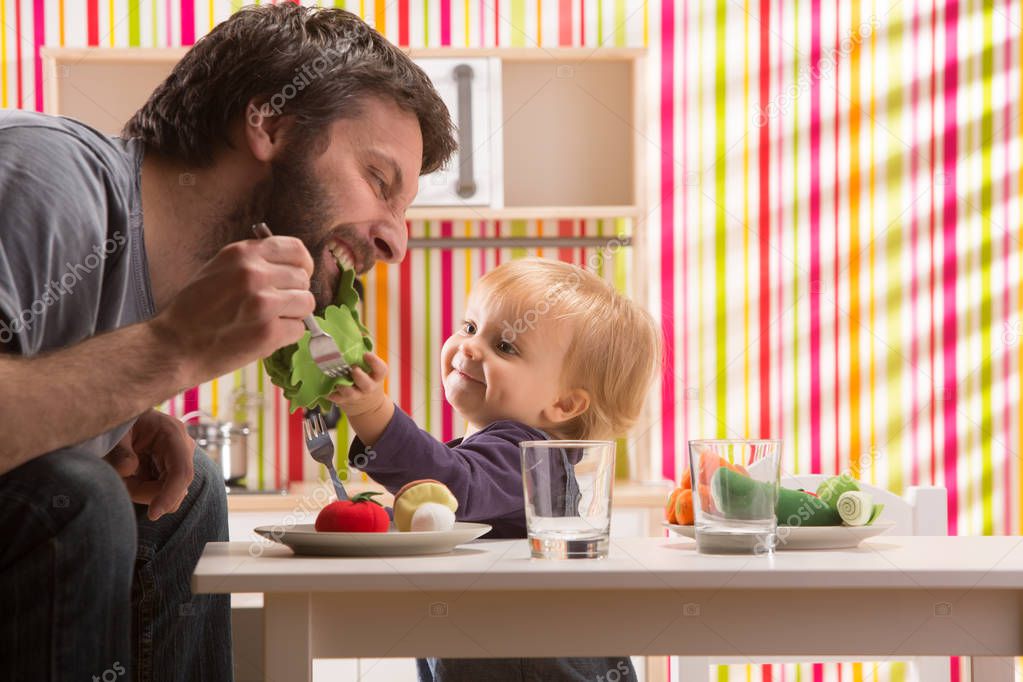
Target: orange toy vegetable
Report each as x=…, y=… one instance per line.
x=669, y=510
x=684, y=508
x=687, y=479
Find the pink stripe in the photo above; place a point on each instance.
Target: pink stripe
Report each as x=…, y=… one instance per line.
x=447, y=321
x=192, y=403
x=564, y=22
x=780, y=373
x=764, y=154
x=187, y=22
x=668, y=238
x=950, y=445
x=839, y=446
x=39, y=26
x=818, y=672
x=445, y=23
x=815, y=247
x=1006, y=302
x=914, y=226
x=684, y=439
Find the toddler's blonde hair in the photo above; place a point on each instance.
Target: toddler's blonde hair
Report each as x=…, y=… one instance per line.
x=615, y=348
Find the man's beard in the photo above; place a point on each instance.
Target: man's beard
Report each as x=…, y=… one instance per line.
x=293, y=202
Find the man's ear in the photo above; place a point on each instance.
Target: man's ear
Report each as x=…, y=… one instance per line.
x=264, y=130
x=569, y=405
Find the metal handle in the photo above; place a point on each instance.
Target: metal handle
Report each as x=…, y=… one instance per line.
x=466, y=182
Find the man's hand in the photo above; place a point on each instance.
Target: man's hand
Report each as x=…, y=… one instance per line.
x=368, y=408
x=245, y=303
x=155, y=460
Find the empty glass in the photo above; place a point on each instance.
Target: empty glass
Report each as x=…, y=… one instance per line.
x=567, y=487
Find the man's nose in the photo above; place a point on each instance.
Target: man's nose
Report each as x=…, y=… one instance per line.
x=389, y=240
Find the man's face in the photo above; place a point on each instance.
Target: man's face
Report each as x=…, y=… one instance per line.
x=349, y=201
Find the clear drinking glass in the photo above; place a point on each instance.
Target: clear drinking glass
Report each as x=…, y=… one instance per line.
x=567, y=487
x=735, y=491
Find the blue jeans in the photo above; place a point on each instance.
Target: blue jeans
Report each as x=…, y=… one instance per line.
x=91, y=589
x=526, y=669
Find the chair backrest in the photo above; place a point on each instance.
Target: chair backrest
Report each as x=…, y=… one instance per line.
x=922, y=511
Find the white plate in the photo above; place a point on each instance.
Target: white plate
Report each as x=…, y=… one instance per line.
x=303, y=538
x=811, y=537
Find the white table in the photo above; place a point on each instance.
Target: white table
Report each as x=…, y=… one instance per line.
x=893, y=596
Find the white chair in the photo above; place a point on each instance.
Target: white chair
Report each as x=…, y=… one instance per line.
x=922, y=511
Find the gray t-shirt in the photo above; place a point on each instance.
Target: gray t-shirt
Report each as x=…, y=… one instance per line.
x=72, y=259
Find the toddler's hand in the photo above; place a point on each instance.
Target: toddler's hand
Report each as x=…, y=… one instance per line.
x=368, y=392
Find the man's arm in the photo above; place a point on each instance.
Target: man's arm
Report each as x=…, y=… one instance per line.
x=245, y=303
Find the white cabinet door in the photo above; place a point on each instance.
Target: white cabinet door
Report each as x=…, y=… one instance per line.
x=471, y=88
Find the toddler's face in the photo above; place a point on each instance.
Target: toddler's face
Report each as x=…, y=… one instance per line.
x=496, y=369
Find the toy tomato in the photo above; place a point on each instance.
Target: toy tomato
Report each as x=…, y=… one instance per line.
x=361, y=514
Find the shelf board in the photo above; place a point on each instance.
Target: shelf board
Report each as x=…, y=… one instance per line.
x=520, y=212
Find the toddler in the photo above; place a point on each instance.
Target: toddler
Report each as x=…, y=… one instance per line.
x=547, y=350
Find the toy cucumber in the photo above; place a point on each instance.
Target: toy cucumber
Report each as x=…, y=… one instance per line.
x=798, y=508
x=740, y=497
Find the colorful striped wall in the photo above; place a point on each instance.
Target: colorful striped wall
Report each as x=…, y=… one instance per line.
x=833, y=243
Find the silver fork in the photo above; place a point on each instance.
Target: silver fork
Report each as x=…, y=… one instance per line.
x=321, y=448
x=321, y=345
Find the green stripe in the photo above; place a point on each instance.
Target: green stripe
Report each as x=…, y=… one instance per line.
x=898, y=672
x=720, y=222
x=795, y=253
x=134, y=28
x=261, y=432
x=894, y=179
x=600, y=23
x=986, y=264
x=518, y=24
x=518, y=229
x=341, y=460
x=426, y=23
x=620, y=23
x=236, y=5
x=427, y=316
x=156, y=30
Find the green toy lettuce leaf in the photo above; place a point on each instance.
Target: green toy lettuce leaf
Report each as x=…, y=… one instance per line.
x=292, y=367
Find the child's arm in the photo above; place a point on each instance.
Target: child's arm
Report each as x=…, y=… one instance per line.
x=365, y=404
x=484, y=473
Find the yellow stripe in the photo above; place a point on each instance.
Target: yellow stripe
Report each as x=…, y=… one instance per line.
x=215, y=402
x=382, y=328
x=745, y=227
x=381, y=17
x=60, y=11
x=111, y=17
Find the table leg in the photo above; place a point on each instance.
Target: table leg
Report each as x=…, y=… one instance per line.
x=287, y=652
x=992, y=669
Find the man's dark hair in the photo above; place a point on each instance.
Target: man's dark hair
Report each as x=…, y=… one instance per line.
x=314, y=64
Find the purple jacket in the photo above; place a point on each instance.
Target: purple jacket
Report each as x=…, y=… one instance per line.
x=483, y=471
